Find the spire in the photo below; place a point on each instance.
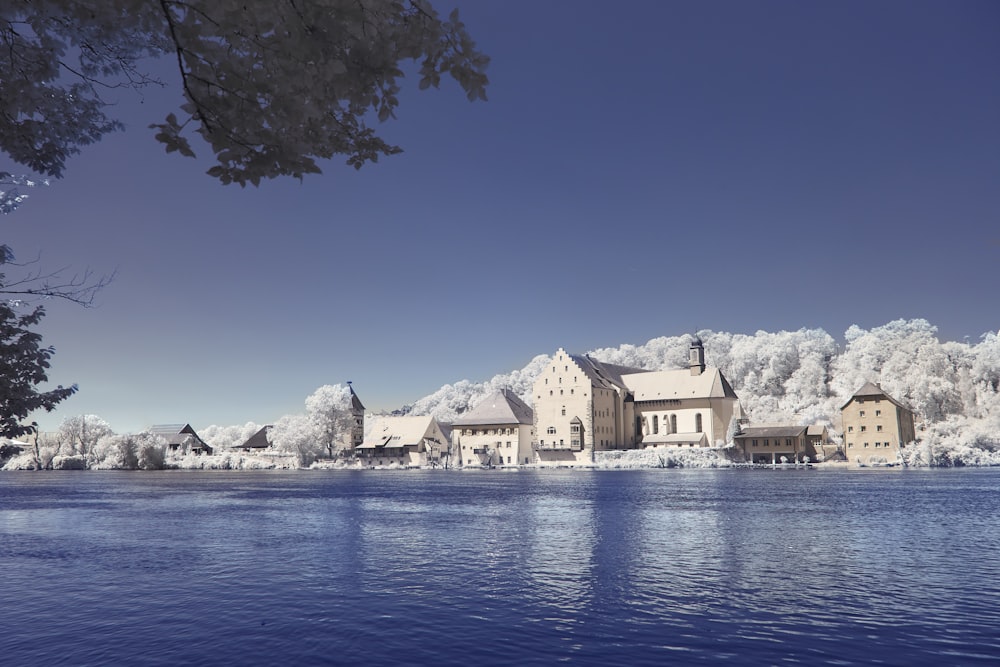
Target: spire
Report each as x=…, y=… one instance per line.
x=355, y=401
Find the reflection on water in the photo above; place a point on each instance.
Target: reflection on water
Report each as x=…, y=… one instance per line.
x=560, y=554
x=490, y=567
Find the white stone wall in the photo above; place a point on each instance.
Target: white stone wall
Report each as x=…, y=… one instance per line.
x=510, y=444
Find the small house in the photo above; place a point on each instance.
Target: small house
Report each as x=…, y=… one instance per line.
x=181, y=437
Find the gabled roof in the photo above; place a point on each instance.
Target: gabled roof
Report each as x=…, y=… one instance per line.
x=781, y=431
x=171, y=429
x=606, y=376
x=399, y=431
x=873, y=390
x=258, y=440
x=446, y=429
x=678, y=384
x=176, y=434
x=501, y=407
x=355, y=401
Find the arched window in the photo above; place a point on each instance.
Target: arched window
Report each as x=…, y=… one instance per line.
x=673, y=423
x=697, y=423
x=656, y=424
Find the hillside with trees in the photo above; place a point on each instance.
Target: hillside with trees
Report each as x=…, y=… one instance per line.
x=801, y=377
x=805, y=376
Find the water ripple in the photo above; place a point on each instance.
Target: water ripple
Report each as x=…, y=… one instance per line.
x=532, y=568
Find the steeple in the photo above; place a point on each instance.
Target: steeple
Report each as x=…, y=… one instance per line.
x=696, y=356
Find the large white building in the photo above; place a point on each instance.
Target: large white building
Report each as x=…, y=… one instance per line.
x=584, y=406
x=498, y=431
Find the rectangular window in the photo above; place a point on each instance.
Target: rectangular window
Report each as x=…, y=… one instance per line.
x=861, y=413
x=878, y=413
x=850, y=429
x=878, y=428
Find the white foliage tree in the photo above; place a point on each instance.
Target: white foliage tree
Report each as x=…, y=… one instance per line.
x=452, y=400
x=330, y=411
x=226, y=437
x=297, y=434
x=798, y=376
x=80, y=435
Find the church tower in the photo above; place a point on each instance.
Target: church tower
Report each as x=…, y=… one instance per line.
x=696, y=357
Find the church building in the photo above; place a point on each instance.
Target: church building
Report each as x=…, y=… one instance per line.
x=692, y=407
x=583, y=406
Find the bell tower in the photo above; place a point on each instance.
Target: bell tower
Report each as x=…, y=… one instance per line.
x=696, y=356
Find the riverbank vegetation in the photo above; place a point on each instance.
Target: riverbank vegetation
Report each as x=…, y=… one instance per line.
x=802, y=377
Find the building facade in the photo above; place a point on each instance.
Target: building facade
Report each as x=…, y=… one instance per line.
x=404, y=441
x=877, y=427
x=693, y=407
x=498, y=431
x=775, y=444
x=583, y=406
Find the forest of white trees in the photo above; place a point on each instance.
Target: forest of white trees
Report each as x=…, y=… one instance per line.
x=806, y=376
x=801, y=377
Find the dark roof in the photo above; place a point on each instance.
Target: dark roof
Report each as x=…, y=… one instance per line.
x=258, y=440
x=781, y=431
x=177, y=434
x=727, y=389
x=355, y=401
x=874, y=390
x=446, y=429
x=606, y=376
x=171, y=429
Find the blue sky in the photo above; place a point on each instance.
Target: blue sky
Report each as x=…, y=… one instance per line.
x=641, y=169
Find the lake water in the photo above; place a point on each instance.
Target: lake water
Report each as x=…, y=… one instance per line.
x=481, y=568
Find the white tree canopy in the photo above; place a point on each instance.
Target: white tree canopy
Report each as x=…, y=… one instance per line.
x=329, y=410
x=270, y=85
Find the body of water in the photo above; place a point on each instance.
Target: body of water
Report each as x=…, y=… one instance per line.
x=500, y=568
